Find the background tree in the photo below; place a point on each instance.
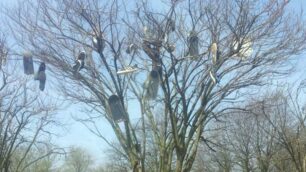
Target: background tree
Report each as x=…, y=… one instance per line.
x=253, y=42
x=78, y=160
x=264, y=135
x=285, y=113
x=42, y=159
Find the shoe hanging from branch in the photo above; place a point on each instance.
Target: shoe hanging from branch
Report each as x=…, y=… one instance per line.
x=41, y=76
x=131, y=49
x=98, y=42
x=193, y=45
x=28, y=63
x=151, y=85
x=3, y=55
x=243, y=48
x=80, y=62
x=116, y=108
x=170, y=25
x=128, y=70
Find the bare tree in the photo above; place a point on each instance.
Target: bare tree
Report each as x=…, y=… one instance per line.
x=24, y=117
x=78, y=160
x=267, y=134
x=194, y=60
x=250, y=139
x=284, y=112
x=41, y=158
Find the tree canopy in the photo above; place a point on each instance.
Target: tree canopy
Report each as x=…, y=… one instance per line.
x=176, y=67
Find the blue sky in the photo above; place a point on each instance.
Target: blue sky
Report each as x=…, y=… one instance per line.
x=76, y=134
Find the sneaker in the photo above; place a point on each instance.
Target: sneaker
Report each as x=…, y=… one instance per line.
x=212, y=77
x=128, y=69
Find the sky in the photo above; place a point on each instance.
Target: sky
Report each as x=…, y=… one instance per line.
x=76, y=134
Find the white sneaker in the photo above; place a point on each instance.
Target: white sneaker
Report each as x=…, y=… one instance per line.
x=212, y=77
x=127, y=70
